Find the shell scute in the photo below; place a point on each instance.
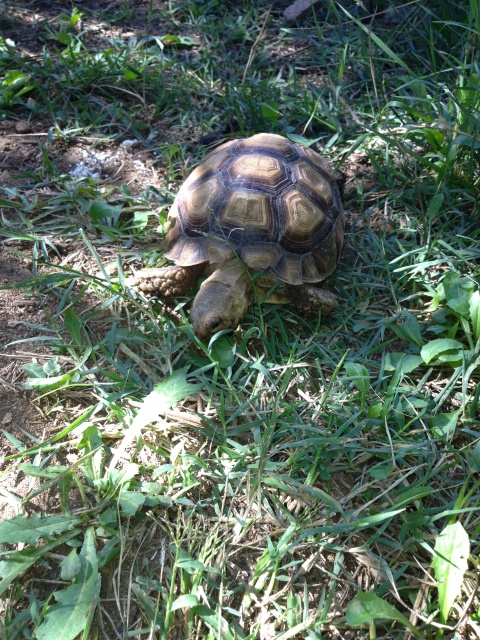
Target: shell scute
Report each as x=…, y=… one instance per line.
x=246, y=210
x=269, y=143
x=316, y=160
x=197, y=203
x=257, y=171
x=318, y=185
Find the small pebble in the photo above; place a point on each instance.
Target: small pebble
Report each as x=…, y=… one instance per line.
x=7, y=418
x=22, y=127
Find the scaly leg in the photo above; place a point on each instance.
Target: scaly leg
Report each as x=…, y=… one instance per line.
x=167, y=282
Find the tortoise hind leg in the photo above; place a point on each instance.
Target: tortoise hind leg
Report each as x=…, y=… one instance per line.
x=308, y=301
x=169, y=281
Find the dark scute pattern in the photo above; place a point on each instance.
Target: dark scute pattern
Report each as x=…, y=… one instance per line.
x=239, y=210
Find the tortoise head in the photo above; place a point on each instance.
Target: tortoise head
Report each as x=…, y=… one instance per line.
x=221, y=301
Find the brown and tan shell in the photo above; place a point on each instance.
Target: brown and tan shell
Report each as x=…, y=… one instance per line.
x=272, y=202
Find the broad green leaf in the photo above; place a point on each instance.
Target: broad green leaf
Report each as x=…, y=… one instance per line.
x=191, y=565
x=186, y=601
x=409, y=330
x=444, y=424
x=475, y=314
x=109, y=551
x=150, y=608
x=321, y=496
x=367, y=607
x=131, y=501
x=473, y=459
x=70, y=566
x=34, y=369
x=285, y=483
x=74, y=18
x=270, y=111
x=183, y=40
x=130, y=74
x=222, y=351
x=164, y=395
x=74, y=326
x=455, y=287
x=452, y=548
x=51, y=383
x=14, y=564
x=14, y=77
x=13, y=205
x=140, y=220
x=30, y=529
x=100, y=210
x=467, y=141
x=375, y=410
x=170, y=152
x=382, y=470
x=109, y=516
x=51, y=367
x=69, y=615
x=404, y=497
x=405, y=362
x=459, y=306
x=442, y=350
x=18, y=444
x=91, y=441
x=12, y=497
x=294, y=610
x=360, y=377
x=64, y=38
x=5, y=43
x=434, y=206
x=53, y=471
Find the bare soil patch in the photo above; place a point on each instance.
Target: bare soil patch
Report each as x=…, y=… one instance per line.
x=20, y=419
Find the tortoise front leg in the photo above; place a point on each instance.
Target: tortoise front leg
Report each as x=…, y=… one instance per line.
x=310, y=300
x=167, y=282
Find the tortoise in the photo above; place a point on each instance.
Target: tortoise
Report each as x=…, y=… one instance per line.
x=262, y=203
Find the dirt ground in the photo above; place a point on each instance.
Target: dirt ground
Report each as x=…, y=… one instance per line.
x=21, y=311
x=22, y=420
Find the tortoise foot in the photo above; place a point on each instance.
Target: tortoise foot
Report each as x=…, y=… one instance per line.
x=310, y=300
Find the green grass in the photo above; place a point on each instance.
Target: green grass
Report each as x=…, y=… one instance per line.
x=291, y=478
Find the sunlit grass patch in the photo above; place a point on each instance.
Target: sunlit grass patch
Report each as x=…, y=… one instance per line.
x=292, y=478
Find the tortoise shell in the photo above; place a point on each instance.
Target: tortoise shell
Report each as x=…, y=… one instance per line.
x=272, y=202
